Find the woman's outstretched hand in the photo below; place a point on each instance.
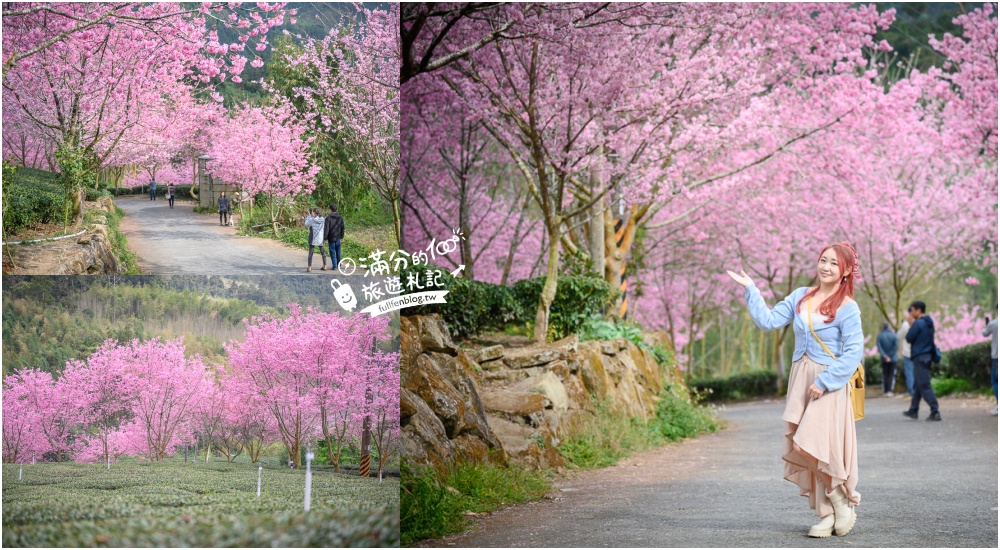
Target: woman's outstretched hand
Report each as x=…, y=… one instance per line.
x=742, y=278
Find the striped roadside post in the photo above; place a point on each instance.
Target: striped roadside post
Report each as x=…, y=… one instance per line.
x=623, y=283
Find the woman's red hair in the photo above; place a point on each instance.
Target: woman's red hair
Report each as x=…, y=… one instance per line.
x=847, y=260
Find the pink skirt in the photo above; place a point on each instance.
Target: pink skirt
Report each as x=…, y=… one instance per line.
x=823, y=428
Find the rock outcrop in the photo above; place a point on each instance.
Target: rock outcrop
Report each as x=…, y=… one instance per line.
x=517, y=404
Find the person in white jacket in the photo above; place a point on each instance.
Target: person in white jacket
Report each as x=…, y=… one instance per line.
x=904, y=352
x=315, y=222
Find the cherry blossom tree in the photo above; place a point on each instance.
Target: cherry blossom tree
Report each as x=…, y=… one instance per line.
x=354, y=90
x=22, y=430
x=84, y=74
x=263, y=150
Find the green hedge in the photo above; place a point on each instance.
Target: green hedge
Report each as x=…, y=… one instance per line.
x=970, y=363
x=756, y=383
x=577, y=299
x=473, y=306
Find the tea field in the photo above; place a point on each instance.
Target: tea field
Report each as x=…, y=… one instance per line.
x=180, y=504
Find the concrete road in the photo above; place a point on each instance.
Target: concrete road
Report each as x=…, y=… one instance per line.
x=923, y=484
x=177, y=241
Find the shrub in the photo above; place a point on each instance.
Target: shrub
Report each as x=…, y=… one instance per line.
x=944, y=385
x=29, y=206
x=873, y=369
x=745, y=385
x=578, y=298
x=971, y=363
x=92, y=194
x=472, y=306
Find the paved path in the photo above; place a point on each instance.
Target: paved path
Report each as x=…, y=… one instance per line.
x=178, y=241
x=922, y=484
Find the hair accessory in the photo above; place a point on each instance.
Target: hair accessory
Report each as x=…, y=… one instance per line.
x=856, y=270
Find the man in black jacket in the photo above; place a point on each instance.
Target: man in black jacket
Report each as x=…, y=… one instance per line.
x=921, y=339
x=334, y=228
x=223, y=209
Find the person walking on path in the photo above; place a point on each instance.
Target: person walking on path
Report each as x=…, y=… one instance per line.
x=170, y=194
x=223, y=209
x=887, y=351
x=315, y=223
x=152, y=190
x=991, y=330
x=334, y=234
x=904, y=350
x=820, y=448
x=922, y=352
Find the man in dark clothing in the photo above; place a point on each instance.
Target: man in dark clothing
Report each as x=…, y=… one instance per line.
x=887, y=345
x=334, y=228
x=223, y=209
x=921, y=339
x=152, y=190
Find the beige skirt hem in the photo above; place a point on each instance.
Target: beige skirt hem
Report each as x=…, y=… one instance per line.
x=823, y=429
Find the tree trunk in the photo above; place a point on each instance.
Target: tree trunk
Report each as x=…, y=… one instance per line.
x=549, y=290
x=396, y=224
x=597, y=244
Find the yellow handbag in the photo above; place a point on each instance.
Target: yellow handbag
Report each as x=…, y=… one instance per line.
x=856, y=384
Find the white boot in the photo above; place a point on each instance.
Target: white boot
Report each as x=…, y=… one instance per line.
x=822, y=529
x=842, y=511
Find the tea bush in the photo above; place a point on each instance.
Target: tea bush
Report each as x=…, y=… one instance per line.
x=174, y=503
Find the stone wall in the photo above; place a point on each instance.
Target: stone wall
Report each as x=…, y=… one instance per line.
x=87, y=254
x=500, y=404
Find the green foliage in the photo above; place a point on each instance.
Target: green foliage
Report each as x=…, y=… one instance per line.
x=608, y=437
x=971, y=363
x=598, y=328
x=94, y=194
x=76, y=173
x=30, y=197
x=578, y=298
x=119, y=246
x=472, y=306
x=873, y=367
x=745, y=385
x=49, y=320
x=341, y=179
x=433, y=505
x=945, y=385
x=174, y=503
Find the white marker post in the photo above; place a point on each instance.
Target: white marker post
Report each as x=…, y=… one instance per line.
x=20, y=472
x=109, y=462
x=309, y=457
x=259, y=470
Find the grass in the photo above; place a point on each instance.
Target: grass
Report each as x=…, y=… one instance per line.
x=943, y=385
x=609, y=437
x=173, y=503
x=434, y=505
x=119, y=246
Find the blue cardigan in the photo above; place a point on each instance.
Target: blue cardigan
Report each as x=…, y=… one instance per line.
x=843, y=336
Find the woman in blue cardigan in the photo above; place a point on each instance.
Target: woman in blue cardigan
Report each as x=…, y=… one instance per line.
x=820, y=444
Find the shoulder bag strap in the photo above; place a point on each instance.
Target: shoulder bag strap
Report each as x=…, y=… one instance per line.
x=809, y=318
